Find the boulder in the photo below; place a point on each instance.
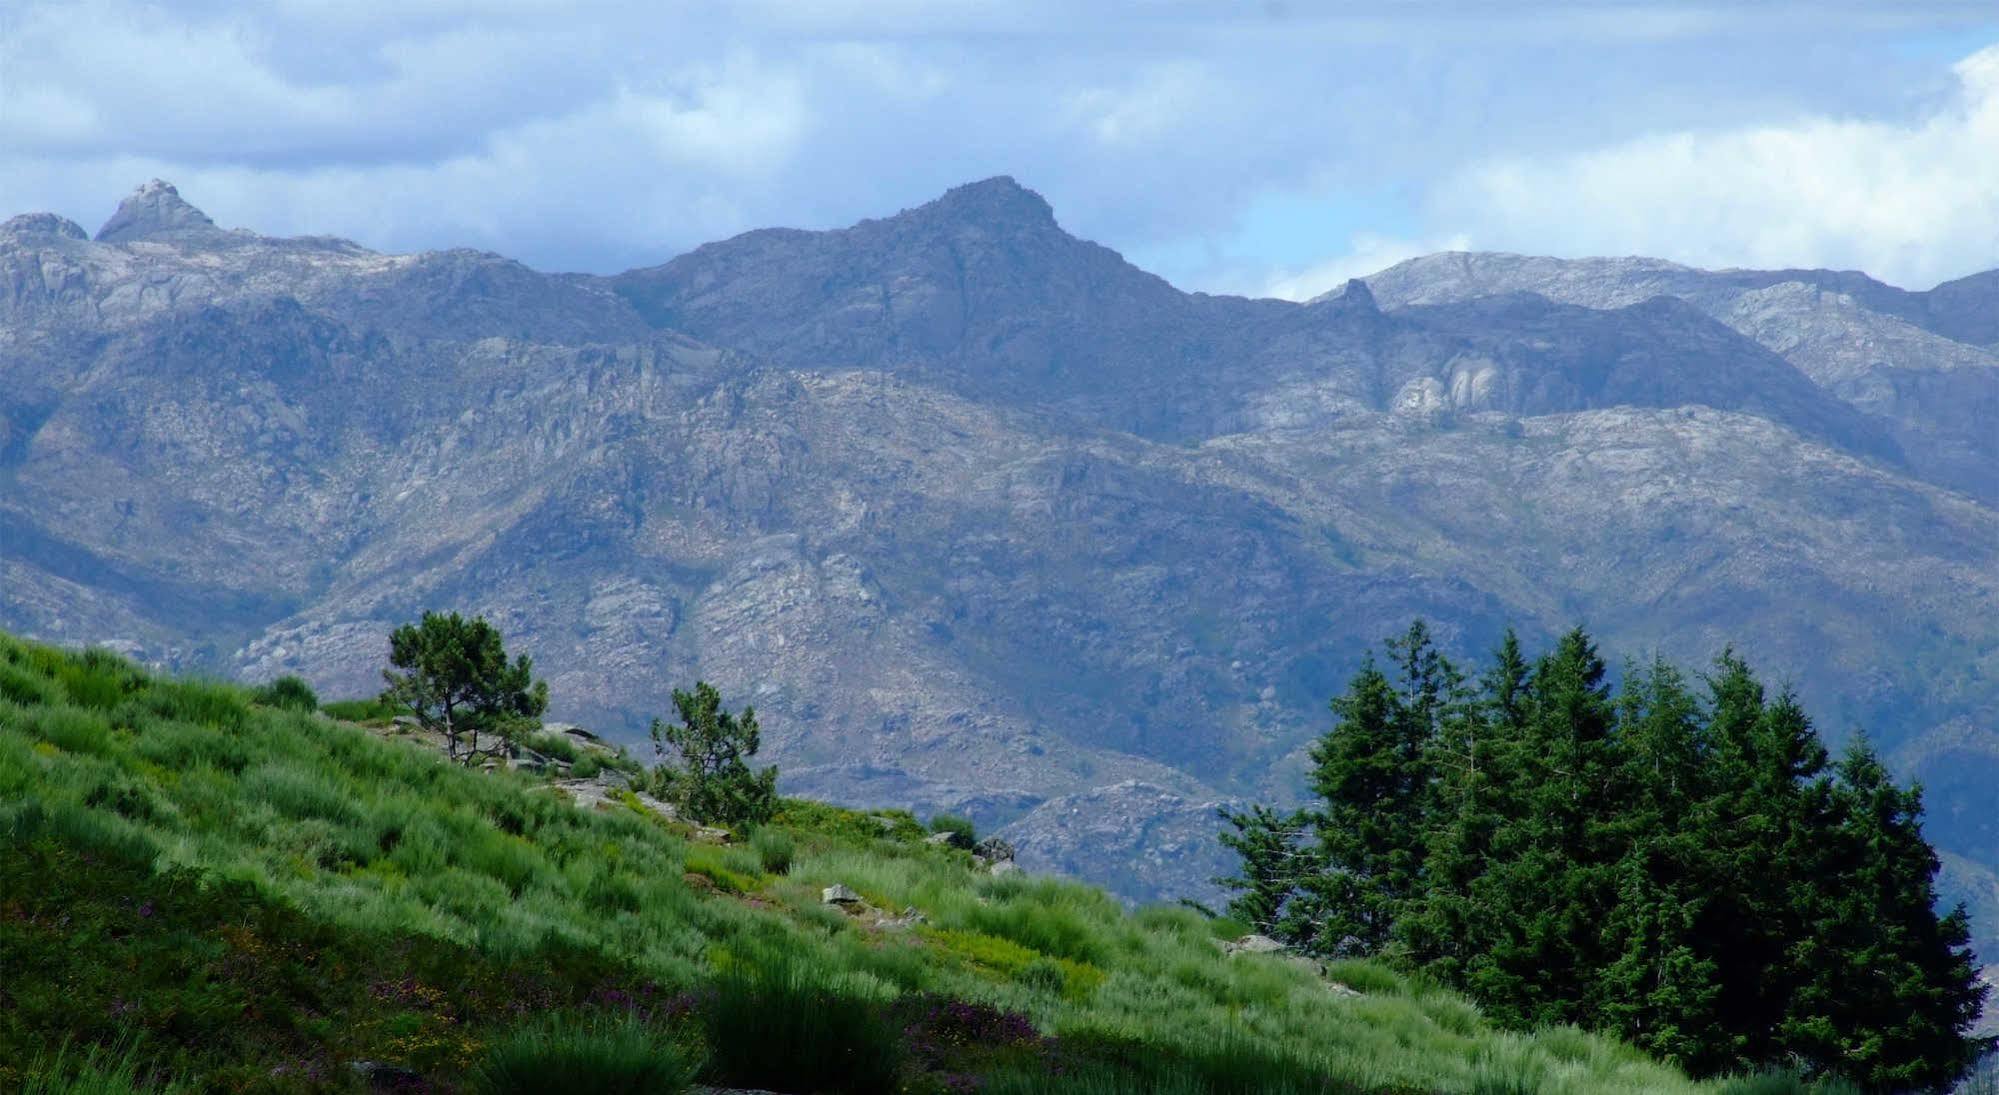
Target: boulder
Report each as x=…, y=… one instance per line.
x=376, y=1076
x=995, y=849
x=1004, y=866
x=839, y=894
x=1255, y=944
x=948, y=839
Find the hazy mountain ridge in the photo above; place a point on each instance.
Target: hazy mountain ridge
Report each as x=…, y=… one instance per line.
x=982, y=517
x=1924, y=364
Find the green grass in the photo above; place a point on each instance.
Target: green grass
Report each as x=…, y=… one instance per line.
x=250, y=896
x=776, y=1024
x=95, y=1071
x=615, y=1054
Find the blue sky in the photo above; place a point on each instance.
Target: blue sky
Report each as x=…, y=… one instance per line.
x=1233, y=147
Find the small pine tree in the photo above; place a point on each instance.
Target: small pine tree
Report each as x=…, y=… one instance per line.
x=456, y=680
x=707, y=774
x=1274, y=863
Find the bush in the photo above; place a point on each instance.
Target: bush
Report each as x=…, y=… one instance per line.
x=289, y=693
x=786, y=1028
x=775, y=849
x=964, y=833
x=612, y=1054
x=553, y=746
x=369, y=709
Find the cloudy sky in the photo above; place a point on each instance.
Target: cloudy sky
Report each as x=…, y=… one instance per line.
x=1271, y=147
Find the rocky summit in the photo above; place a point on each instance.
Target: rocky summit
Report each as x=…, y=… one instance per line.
x=984, y=519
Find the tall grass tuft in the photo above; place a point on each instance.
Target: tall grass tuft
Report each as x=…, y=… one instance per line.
x=603, y=1054
x=786, y=1027
x=95, y=1071
x=775, y=849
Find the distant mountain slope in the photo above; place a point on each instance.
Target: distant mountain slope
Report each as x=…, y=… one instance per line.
x=1924, y=365
x=982, y=517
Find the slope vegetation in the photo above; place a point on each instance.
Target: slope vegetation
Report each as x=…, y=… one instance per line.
x=202, y=887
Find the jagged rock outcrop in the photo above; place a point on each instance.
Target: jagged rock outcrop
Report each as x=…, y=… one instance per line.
x=984, y=519
x=155, y=211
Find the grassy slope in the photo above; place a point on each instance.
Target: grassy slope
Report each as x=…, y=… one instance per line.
x=264, y=896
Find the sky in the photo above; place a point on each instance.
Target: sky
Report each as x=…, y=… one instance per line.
x=1263, y=147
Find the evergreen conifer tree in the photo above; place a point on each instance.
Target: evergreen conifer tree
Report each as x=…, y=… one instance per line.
x=1274, y=864
x=1887, y=988
x=1370, y=771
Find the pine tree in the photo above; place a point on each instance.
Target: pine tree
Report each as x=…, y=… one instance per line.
x=1555, y=882
x=1370, y=772
x=1469, y=758
x=1888, y=989
x=1274, y=864
x=704, y=761
x=1688, y=874
x=1763, y=825
x=456, y=680
x=1660, y=989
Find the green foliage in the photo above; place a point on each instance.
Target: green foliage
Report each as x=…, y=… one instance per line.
x=704, y=767
x=255, y=896
x=373, y=709
x=775, y=849
x=785, y=1027
x=553, y=746
x=1693, y=873
x=456, y=679
x=292, y=693
x=600, y=1053
x=94, y=1071
x=964, y=833
x=1274, y=867
x=1373, y=775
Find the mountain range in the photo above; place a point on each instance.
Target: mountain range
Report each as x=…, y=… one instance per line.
x=982, y=518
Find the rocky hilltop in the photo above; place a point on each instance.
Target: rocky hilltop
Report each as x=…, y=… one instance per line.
x=983, y=518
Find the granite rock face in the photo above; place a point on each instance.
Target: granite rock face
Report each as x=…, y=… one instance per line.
x=984, y=519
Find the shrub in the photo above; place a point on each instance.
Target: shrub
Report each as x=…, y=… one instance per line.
x=554, y=746
x=964, y=833
x=369, y=709
x=604, y=1054
x=775, y=849
x=786, y=1028
x=289, y=693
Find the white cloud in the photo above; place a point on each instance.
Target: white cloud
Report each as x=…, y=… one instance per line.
x=1913, y=203
x=597, y=134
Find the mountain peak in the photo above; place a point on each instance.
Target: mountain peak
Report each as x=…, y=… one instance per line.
x=152, y=211
x=42, y=224
x=998, y=200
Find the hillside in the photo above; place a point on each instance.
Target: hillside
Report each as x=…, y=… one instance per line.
x=258, y=897
x=985, y=519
